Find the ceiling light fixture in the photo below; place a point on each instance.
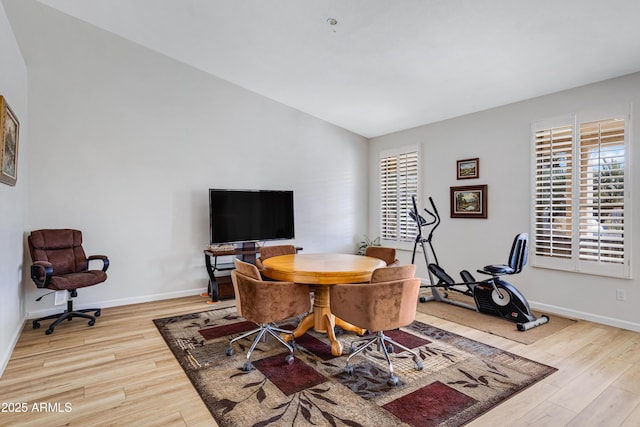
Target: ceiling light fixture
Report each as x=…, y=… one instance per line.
x=333, y=22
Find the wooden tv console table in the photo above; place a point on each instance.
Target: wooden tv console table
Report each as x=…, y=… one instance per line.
x=221, y=287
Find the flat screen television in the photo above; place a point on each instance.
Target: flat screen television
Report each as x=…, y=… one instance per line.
x=250, y=215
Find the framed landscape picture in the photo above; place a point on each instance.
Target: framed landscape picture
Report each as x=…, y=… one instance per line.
x=9, y=129
x=469, y=201
x=468, y=168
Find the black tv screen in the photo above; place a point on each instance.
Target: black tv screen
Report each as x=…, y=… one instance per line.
x=250, y=215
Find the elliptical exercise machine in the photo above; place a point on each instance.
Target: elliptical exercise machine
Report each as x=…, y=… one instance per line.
x=492, y=296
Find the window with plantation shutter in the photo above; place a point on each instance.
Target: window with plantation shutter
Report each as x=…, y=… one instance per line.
x=602, y=204
x=580, y=166
x=553, y=192
x=398, y=182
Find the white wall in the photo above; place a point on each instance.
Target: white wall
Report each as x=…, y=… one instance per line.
x=13, y=86
x=126, y=143
x=500, y=137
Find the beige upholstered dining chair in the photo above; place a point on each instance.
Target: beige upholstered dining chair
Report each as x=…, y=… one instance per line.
x=388, y=302
x=264, y=303
x=271, y=251
x=388, y=255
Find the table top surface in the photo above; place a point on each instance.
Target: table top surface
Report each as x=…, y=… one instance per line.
x=321, y=269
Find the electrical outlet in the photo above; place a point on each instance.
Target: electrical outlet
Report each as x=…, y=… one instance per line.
x=621, y=295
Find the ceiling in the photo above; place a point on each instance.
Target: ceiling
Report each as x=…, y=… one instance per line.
x=386, y=65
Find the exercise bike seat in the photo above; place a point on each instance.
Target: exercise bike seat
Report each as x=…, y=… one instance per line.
x=497, y=269
x=517, y=258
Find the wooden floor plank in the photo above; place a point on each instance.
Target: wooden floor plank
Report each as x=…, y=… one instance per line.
x=633, y=420
x=611, y=408
x=585, y=388
x=545, y=414
x=524, y=402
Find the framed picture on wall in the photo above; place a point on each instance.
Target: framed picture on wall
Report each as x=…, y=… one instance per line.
x=468, y=168
x=469, y=201
x=9, y=129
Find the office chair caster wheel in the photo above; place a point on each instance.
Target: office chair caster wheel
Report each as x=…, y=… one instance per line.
x=419, y=366
x=349, y=369
x=390, y=348
x=423, y=299
x=393, y=381
x=92, y=322
x=229, y=351
x=97, y=313
x=48, y=331
x=247, y=367
x=36, y=325
x=289, y=360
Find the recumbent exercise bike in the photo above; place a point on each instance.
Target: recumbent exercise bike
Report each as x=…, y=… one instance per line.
x=492, y=296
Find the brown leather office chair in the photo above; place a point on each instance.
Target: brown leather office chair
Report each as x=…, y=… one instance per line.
x=271, y=251
x=60, y=263
x=388, y=255
x=388, y=302
x=264, y=303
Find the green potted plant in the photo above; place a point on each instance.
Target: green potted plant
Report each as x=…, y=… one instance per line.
x=366, y=242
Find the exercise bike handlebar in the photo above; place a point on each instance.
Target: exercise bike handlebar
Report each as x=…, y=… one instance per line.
x=436, y=218
x=415, y=215
x=420, y=219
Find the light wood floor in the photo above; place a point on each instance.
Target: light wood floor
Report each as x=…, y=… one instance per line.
x=121, y=373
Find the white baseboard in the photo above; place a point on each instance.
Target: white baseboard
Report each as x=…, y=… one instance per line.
x=6, y=355
x=117, y=302
x=575, y=314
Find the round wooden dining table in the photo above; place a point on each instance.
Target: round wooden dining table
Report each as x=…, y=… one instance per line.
x=321, y=271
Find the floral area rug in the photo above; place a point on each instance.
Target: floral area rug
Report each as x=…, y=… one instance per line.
x=461, y=378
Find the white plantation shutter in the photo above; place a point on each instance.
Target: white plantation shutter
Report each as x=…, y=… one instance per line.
x=580, y=197
x=602, y=190
x=553, y=192
x=398, y=183
x=389, y=197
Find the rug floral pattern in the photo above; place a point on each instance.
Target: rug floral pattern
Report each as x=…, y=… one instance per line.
x=461, y=378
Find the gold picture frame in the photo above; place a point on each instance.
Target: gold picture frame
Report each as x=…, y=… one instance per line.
x=9, y=133
x=469, y=201
x=468, y=168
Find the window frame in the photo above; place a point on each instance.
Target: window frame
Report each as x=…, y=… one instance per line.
x=574, y=263
x=405, y=229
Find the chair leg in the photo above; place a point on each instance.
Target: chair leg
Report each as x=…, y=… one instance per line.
x=263, y=331
x=385, y=338
x=368, y=339
x=272, y=330
x=68, y=314
x=367, y=344
x=393, y=380
x=416, y=356
x=381, y=340
x=255, y=342
x=246, y=334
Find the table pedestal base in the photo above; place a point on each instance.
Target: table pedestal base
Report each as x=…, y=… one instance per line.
x=323, y=321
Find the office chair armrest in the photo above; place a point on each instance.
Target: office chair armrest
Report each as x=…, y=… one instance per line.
x=41, y=272
x=103, y=258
